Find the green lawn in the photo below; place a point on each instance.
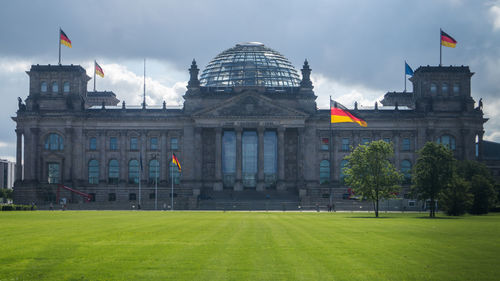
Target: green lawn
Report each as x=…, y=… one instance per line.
x=128, y=245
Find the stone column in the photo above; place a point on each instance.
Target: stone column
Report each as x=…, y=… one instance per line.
x=123, y=162
x=35, y=135
x=19, y=155
x=123, y=157
x=260, y=159
x=300, y=156
x=145, y=161
x=198, y=151
x=218, y=159
x=397, y=149
x=281, y=158
x=68, y=153
x=28, y=155
x=164, y=167
x=238, y=185
x=102, y=156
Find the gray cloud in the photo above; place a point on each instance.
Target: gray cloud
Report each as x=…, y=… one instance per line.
x=349, y=44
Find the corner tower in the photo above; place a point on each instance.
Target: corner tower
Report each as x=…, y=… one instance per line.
x=57, y=87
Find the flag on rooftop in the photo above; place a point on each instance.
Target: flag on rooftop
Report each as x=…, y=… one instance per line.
x=98, y=70
x=447, y=40
x=340, y=114
x=64, y=39
x=408, y=69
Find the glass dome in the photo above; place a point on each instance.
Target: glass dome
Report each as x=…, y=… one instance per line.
x=250, y=64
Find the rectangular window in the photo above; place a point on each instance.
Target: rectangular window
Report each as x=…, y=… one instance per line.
x=365, y=141
x=53, y=172
x=93, y=143
x=154, y=143
x=387, y=140
x=131, y=196
x=411, y=203
x=111, y=196
x=345, y=144
x=133, y=144
x=174, y=145
x=113, y=143
x=325, y=143
x=151, y=196
x=92, y=197
x=406, y=144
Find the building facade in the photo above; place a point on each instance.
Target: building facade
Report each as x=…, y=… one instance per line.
x=6, y=174
x=249, y=125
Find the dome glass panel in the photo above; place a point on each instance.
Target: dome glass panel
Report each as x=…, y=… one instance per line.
x=250, y=64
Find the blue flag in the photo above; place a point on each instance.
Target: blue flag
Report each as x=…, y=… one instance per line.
x=408, y=69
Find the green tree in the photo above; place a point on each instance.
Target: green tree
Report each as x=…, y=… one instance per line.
x=482, y=185
x=433, y=172
x=484, y=195
x=370, y=173
x=456, y=199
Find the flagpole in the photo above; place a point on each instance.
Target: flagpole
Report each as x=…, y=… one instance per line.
x=405, y=75
x=59, y=45
x=156, y=185
x=140, y=172
x=95, y=63
x=330, y=148
x=172, y=179
x=440, y=47
x=144, y=94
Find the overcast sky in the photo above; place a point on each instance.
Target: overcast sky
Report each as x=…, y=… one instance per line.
x=356, y=49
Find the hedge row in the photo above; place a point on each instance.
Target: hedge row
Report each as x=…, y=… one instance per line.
x=14, y=207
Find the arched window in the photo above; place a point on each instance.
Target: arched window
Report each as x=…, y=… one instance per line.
x=93, y=143
x=448, y=141
x=433, y=88
x=66, y=87
x=154, y=170
x=343, y=164
x=43, y=87
x=456, y=89
x=406, y=171
x=113, y=171
x=444, y=88
x=324, y=172
x=133, y=171
x=54, y=142
x=174, y=172
x=55, y=87
x=93, y=171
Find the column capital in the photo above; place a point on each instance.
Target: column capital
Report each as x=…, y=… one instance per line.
x=238, y=129
x=261, y=129
x=35, y=130
x=281, y=129
x=19, y=131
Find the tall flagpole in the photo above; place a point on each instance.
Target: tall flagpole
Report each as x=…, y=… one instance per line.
x=140, y=172
x=172, y=179
x=144, y=94
x=156, y=184
x=95, y=63
x=405, y=75
x=59, y=41
x=440, y=47
x=331, y=149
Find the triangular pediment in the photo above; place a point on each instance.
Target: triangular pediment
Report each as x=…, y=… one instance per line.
x=250, y=104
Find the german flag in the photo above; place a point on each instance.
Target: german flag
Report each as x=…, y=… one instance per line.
x=447, y=40
x=64, y=39
x=176, y=161
x=98, y=70
x=340, y=114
